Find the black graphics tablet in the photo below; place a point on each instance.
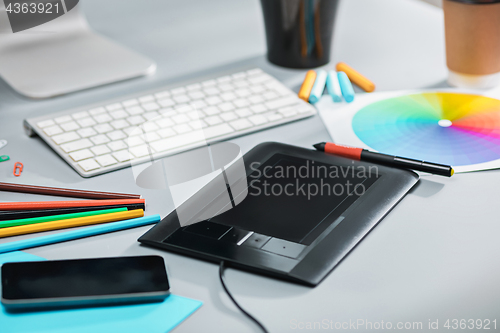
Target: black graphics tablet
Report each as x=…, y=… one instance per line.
x=296, y=214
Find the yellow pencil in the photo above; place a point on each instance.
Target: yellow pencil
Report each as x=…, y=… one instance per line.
x=307, y=85
x=70, y=223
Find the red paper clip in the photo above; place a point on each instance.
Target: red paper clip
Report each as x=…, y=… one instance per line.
x=18, y=168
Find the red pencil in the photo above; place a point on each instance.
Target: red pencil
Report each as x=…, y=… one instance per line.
x=64, y=204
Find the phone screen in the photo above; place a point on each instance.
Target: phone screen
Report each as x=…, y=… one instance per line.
x=83, y=277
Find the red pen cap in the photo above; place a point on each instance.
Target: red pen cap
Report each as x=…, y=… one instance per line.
x=344, y=151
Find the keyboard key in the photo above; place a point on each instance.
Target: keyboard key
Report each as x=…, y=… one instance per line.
x=146, y=99
x=80, y=115
x=229, y=116
x=196, y=95
x=182, y=128
x=209, y=83
x=106, y=160
x=168, y=112
x=273, y=116
x=99, y=139
x=211, y=110
x=257, y=89
x=100, y=150
x=256, y=79
x=241, y=84
x=130, y=102
x=86, y=122
x=259, y=108
x=141, y=151
x=281, y=102
x=223, y=79
x=240, y=124
x=114, y=106
x=180, y=119
x=226, y=106
x=194, y=86
x=229, y=96
x=70, y=126
x=133, y=130
x=226, y=87
x=81, y=155
x=135, y=120
x=45, y=123
x=103, y=128
x=270, y=95
x=178, y=91
x=256, y=99
x=218, y=130
x=122, y=156
x=63, y=119
x=117, y=145
x=97, y=111
x=89, y=164
x=150, y=106
x=162, y=94
x=181, y=99
x=245, y=112
x=103, y=118
x=165, y=122
x=239, y=75
x=214, y=100
x=258, y=119
x=181, y=108
x=134, y=141
x=119, y=124
x=135, y=110
x=151, y=115
x=178, y=141
x=166, y=132
x=65, y=137
x=53, y=130
x=195, y=115
x=241, y=102
x=166, y=102
x=213, y=120
x=198, y=104
x=198, y=124
x=119, y=114
x=211, y=91
x=76, y=145
x=116, y=135
x=86, y=132
x=287, y=112
x=150, y=127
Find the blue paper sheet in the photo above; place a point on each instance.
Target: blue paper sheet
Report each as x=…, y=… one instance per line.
x=151, y=318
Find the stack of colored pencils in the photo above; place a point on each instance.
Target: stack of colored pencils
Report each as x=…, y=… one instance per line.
x=19, y=218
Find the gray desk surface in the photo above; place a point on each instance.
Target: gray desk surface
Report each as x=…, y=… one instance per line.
x=435, y=257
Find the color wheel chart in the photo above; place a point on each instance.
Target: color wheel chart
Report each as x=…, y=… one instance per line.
x=458, y=129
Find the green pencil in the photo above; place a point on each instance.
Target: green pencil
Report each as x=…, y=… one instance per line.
x=33, y=220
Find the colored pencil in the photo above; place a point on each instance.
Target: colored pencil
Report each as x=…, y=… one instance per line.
x=65, y=192
x=307, y=85
x=33, y=220
x=79, y=233
x=356, y=77
x=71, y=223
x=65, y=204
x=25, y=214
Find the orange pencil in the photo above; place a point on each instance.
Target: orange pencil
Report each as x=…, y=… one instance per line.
x=307, y=85
x=356, y=77
x=65, y=204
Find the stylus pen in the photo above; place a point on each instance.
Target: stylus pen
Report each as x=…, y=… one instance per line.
x=361, y=154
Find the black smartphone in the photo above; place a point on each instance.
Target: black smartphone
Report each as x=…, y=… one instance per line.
x=83, y=282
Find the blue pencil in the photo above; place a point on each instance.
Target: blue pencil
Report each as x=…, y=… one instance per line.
x=81, y=233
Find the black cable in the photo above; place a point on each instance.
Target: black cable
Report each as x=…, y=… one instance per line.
x=221, y=277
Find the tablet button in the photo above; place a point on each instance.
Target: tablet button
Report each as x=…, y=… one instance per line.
x=208, y=229
x=283, y=247
x=256, y=240
x=236, y=235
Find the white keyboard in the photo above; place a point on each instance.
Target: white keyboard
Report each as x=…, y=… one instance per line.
x=115, y=134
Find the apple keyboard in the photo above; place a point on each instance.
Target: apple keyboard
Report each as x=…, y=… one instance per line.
x=134, y=129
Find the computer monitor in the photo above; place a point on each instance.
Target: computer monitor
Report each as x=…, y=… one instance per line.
x=49, y=52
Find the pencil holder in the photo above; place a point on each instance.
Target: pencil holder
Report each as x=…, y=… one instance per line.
x=299, y=32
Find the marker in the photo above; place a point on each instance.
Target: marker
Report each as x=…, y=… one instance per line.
x=333, y=86
x=360, y=154
x=318, y=88
x=346, y=87
x=307, y=85
x=356, y=77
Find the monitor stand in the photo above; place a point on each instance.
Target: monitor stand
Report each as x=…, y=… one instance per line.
x=64, y=56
